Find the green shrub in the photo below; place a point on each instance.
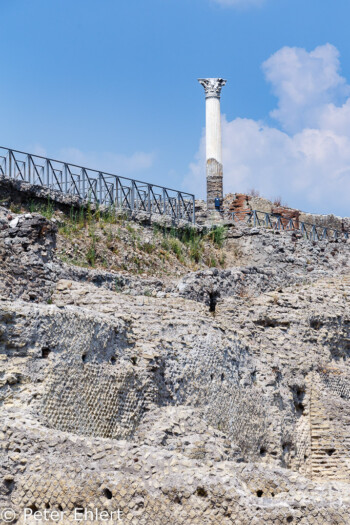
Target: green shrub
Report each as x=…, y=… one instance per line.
x=165, y=244
x=196, y=249
x=15, y=208
x=91, y=255
x=175, y=246
x=217, y=235
x=109, y=216
x=46, y=210
x=212, y=262
x=222, y=259
x=159, y=230
x=147, y=247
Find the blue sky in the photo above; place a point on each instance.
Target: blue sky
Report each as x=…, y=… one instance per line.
x=112, y=84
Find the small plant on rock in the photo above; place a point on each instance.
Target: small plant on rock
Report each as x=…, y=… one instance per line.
x=217, y=235
x=253, y=192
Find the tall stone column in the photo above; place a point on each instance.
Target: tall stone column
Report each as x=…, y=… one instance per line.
x=212, y=88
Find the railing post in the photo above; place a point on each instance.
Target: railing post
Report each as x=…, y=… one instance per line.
x=83, y=176
x=176, y=209
x=65, y=169
x=132, y=196
x=10, y=164
x=47, y=173
x=313, y=233
x=100, y=187
x=111, y=197
x=118, y=192
x=149, y=199
x=193, y=210
x=179, y=214
x=28, y=169
x=164, y=204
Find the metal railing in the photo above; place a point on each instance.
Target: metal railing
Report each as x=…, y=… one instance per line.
x=278, y=222
x=97, y=187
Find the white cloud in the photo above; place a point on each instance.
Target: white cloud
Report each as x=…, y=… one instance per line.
x=305, y=83
x=308, y=160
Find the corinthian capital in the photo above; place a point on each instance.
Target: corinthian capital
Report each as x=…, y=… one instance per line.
x=212, y=86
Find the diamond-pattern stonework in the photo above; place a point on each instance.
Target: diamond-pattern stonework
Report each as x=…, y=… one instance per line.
x=223, y=398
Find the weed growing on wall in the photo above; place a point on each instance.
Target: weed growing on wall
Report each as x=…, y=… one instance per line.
x=92, y=236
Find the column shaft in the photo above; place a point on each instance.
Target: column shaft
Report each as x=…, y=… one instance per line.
x=212, y=87
x=213, y=129
x=213, y=151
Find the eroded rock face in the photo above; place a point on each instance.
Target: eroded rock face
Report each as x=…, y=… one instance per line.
x=183, y=408
x=265, y=261
x=30, y=271
x=27, y=243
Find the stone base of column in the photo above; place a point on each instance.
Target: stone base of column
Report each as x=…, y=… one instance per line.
x=214, y=182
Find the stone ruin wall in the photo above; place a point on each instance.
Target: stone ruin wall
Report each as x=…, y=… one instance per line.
x=330, y=425
x=82, y=396
x=86, y=380
x=91, y=388
x=103, y=395
x=214, y=182
x=242, y=203
x=74, y=370
x=322, y=432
